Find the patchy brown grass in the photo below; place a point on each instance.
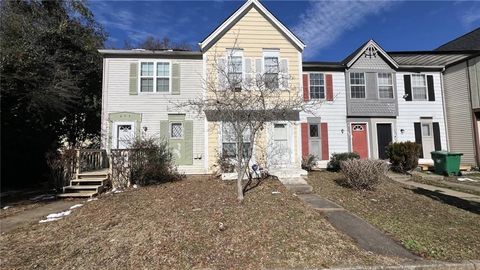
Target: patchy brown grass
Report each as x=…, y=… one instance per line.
x=176, y=225
x=423, y=222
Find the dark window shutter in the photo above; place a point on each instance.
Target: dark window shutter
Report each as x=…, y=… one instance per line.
x=431, y=90
x=418, y=136
x=408, y=87
x=436, y=136
x=329, y=86
x=176, y=79
x=133, y=83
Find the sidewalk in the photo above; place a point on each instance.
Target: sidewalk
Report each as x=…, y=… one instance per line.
x=406, y=180
x=34, y=215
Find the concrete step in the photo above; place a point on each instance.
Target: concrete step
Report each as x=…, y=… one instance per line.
x=92, y=175
x=83, y=187
x=78, y=194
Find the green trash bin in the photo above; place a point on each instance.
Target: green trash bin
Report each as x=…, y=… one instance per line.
x=446, y=163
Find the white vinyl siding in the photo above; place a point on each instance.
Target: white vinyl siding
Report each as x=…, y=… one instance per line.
x=317, y=86
x=357, y=85
x=155, y=76
x=419, y=87
x=385, y=85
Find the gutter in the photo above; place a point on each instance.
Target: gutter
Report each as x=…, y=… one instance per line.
x=444, y=105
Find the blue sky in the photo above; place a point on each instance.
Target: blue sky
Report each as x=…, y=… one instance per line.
x=331, y=29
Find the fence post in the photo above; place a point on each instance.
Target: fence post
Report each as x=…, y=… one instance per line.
x=77, y=169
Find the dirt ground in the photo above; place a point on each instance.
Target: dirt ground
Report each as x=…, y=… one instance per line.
x=196, y=222
x=427, y=223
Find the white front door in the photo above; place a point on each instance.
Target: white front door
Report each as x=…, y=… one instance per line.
x=124, y=134
x=428, y=144
x=280, y=152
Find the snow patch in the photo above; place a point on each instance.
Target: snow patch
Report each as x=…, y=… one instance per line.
x=76, y=206
x=92, y=199
x=465, y=179
x=59, y=215
x=135, y=186
x=6, y=207
x=49, y=220
x=275, y=192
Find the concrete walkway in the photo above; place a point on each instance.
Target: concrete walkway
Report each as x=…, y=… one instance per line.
x=296, y=185
x=364, y=234
x=35, y=215
x=406, y=180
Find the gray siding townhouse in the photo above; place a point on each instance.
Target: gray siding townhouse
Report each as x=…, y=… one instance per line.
x=462, y=96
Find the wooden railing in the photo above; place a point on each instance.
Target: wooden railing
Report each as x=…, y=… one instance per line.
x=91, y=160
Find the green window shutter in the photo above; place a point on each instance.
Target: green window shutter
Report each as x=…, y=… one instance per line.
x=164, y=130
x=187, y=158
x=133, y=90
x=175, y=79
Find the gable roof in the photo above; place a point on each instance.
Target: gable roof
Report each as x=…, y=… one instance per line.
x=431, y=58
x=468, y=41
x=238, y=14
x=352, y=58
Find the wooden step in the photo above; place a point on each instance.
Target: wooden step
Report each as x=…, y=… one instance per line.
x=83, y=187
x=91, y=175
x=78, y=194
x=88, y=181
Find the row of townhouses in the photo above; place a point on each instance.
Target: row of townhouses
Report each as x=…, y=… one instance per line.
x=366, y=101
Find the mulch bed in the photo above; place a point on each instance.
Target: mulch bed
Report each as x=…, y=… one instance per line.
x=426, y=223
x=177, y=225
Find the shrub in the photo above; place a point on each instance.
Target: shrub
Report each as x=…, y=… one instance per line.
x=225, y=165
x=334, y=163
x=148, y=161
x=403, y=155
x=363, y=174
x=61, y=164
x=308, y=162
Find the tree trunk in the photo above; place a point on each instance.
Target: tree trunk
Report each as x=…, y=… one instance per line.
x=240, y=170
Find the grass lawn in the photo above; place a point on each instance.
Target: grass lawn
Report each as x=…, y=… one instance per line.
x=422, y=222
x=176, y=225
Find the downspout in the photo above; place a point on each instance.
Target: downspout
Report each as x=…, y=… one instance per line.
x=442, y=86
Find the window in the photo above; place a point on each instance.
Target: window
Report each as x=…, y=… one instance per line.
x=357, y=85
x=314, y=131
x=419, y=87
x=154, y=77
x=176, y=130
x=235, y=68
x=426, y=130
x=317, y=86
x=229, y=145
x=385, y=85
x=271, y=68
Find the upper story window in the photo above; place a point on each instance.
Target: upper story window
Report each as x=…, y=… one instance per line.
x=357, y=85
x=419, y=87
x=385, y=85
x=317, y=86
x=154, y=77
x=271, y=67
x=235, y=68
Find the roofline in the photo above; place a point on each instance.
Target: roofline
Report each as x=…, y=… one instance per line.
x=149, y=53
x=436, y=52
x=383, y=52
x=464, y=59
x=457, y=38
x=209, y=39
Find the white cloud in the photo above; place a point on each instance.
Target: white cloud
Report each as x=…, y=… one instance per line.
x=325, y=21
x=471, y=16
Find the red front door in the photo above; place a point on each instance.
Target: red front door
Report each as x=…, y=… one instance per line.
x=359, y=139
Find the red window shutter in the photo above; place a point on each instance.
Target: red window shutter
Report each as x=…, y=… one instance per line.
x=329, y=83
x=304, y=139
x=325, y=153
x=306, y=96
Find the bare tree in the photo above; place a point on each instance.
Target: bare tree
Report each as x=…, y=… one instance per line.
x=246, y=96
x=152, y=43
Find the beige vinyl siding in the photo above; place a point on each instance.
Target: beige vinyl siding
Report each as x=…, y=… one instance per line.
x=459, y=112
x=154, y=107
x=253, y=33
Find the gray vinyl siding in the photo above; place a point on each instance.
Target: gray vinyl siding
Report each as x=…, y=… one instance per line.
x=459, y=112
x=474, y=76
x=155, y=107
x=370, y=63
x=371, y=105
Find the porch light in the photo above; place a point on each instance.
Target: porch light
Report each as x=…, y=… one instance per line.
x=402, y=130
x=145, y=129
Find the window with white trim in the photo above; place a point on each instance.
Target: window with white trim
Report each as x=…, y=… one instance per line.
x=385, y=85
x=235, y=68
x=357, y=85
x=229, y=142
x=317, y=86
x=176, y=130
x=271, y=67
x=155, y=76
x=419, y=87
